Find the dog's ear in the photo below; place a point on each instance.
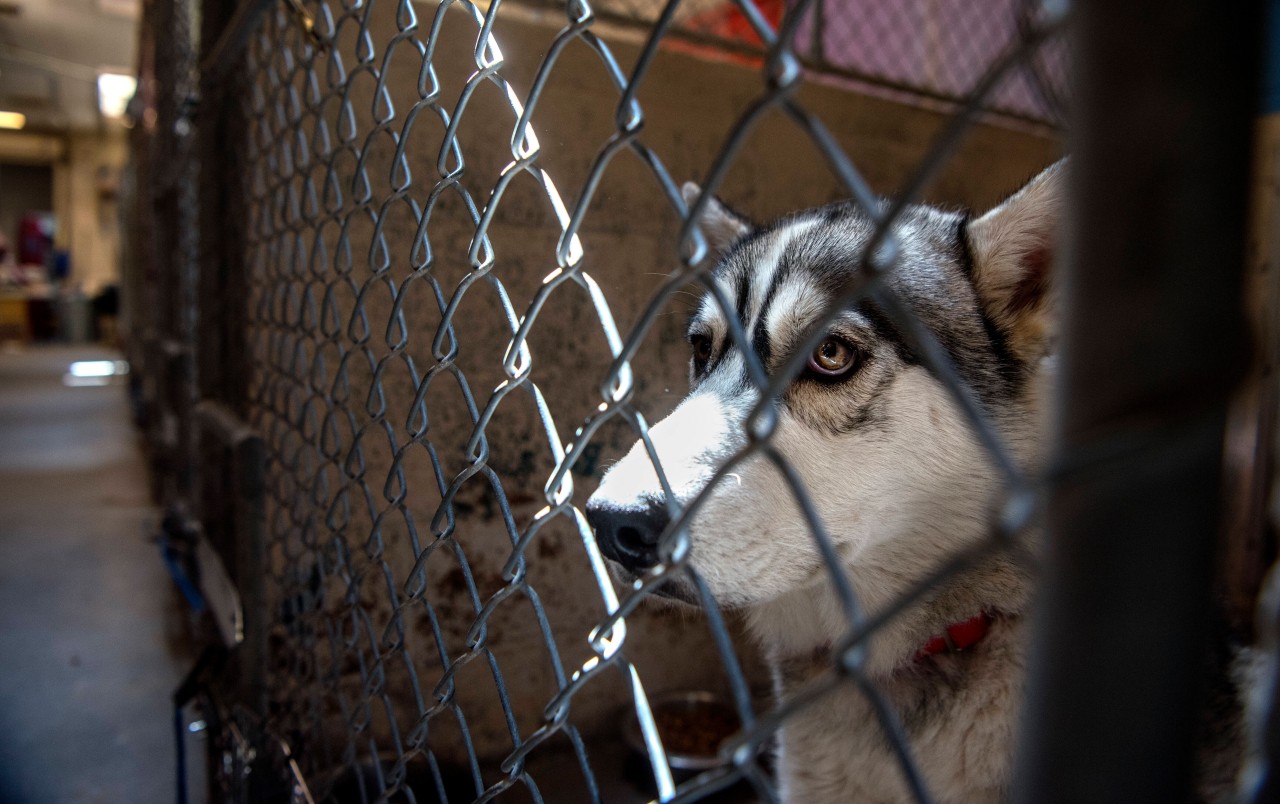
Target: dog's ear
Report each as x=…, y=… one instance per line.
x=1013, y=248
x=721, y=226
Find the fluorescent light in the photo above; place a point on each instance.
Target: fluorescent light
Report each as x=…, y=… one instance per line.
x=98, y=368
x=12, y=120
x=114, y=92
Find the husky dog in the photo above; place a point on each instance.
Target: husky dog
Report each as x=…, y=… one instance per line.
x=891, y=465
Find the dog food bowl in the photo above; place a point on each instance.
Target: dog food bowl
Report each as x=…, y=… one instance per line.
x=692, y=726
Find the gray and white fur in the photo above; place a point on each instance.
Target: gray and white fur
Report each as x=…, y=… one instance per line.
x=892, y=467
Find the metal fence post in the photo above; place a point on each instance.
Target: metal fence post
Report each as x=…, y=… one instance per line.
x=222, y=132
x=1154, y=343
x=236, y=532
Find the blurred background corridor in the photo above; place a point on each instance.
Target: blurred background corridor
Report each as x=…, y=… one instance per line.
x=88, y=659
x=90, y=626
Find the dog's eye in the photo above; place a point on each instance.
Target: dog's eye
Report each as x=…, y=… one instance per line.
x=701, y=347
x=834, y=357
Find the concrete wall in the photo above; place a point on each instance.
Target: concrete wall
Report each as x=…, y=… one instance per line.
x=87, y=183
x=690, y=107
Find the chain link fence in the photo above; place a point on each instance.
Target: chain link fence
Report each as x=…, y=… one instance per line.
x=419, y=275
x=922, y=50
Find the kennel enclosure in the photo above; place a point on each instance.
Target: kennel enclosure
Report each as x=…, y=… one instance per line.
x=407, y=277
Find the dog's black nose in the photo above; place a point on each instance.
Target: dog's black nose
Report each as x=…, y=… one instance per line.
x=629, y=534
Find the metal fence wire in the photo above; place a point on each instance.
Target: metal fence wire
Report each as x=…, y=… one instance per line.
x=434, y=365
x=335, y=316
x=921, y=49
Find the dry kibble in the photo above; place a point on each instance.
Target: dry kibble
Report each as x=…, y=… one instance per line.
x=695, y=732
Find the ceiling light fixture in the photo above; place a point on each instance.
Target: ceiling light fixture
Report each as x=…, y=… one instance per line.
x=114, y=92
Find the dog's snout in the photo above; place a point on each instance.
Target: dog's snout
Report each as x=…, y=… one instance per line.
x=629, y=534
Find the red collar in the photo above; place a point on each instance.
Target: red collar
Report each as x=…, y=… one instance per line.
x=957, y=637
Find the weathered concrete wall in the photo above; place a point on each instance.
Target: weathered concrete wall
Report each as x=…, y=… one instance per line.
x=86, y=201
x=629, y=236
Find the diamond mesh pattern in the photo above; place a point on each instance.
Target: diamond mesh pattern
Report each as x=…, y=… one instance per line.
x=926, y=49
x=372, y=370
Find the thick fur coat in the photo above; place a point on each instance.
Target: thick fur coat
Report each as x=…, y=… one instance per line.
x=893, y=468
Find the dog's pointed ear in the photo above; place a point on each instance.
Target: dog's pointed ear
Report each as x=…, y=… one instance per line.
x=1013, y=248
x=721, y=226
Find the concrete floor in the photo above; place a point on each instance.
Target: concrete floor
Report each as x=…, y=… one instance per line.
x=91, y=643
x=92, y=631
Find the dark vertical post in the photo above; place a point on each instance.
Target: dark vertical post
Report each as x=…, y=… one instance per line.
x=232, y=497
x=223, y=137
x=1153, y=345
